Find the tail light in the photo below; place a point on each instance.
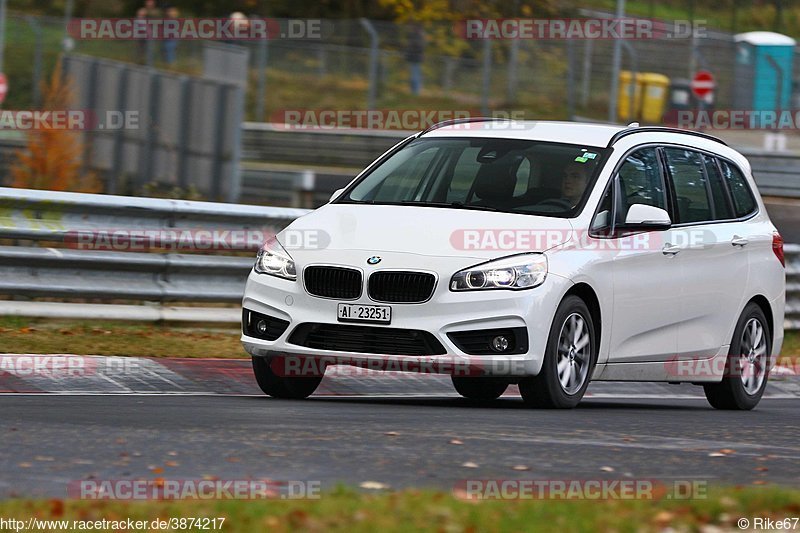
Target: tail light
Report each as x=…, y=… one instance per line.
x=777, y=247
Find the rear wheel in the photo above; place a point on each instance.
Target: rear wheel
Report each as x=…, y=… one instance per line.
x=747, y=366
x=480, y=388
x=568, y=361
x=272, y=384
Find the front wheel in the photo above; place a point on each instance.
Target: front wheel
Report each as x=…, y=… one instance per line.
x=292, y=388
x=747, y=366
x=480, y=388
x=568, y=361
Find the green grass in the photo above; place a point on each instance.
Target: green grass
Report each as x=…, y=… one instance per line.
x=31, y=335
x=414, y=510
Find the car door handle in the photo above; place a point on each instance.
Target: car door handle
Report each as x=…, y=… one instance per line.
x=670, y=249
x=739, y=241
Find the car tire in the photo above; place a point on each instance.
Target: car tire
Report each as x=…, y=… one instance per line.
x=573, y=362
x=747, y=365
x=482, y=389
x=292, y=388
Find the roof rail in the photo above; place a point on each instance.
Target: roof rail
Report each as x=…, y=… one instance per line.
x=453, y=121
x=645, y=129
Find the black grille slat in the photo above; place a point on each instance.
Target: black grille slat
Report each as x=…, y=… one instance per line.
x=333, y=282
x=366, y=339
x=401, y=287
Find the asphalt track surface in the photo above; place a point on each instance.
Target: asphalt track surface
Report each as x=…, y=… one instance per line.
x=50, y=440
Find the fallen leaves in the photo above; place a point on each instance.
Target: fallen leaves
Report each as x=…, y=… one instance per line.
x=373, y=485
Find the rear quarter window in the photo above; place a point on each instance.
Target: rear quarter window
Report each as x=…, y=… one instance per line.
x=743, y=201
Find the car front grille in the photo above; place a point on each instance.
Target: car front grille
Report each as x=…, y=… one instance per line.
x=401, y=287
x=333, y=282
x=366, y=339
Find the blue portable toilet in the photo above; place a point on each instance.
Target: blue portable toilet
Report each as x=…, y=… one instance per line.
x=763, y=71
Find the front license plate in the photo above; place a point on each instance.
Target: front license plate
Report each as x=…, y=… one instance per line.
x=364, y=313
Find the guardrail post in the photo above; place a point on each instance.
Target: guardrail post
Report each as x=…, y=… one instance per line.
x=487, y=76
x=37, y=60
x=586, y=81
x=373, y=62
x=118, y=162
x=511, y=89
x=185, y=127
x=262, y=52
x=305, y=183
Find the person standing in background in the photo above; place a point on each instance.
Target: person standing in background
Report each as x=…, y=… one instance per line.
x=415, y=53
x=169, y=46
x=141, y=44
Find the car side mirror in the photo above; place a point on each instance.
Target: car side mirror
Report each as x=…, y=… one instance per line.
x=336, y=193
x=641, y=216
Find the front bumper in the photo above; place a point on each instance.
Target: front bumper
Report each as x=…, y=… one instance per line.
x=444, y=313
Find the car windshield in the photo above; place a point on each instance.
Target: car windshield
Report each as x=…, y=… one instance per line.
x=509, y=175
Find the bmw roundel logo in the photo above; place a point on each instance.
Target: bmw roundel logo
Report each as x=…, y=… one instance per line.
x=374, y=260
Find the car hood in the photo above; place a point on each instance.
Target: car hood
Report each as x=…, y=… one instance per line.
x=429, y=231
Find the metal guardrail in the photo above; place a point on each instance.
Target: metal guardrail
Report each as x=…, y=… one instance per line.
x=109, y=275
x=76, y=274
x=335, y=147
x=792, y=252
x=270, y=151
x=54, y=216
x=776, y=173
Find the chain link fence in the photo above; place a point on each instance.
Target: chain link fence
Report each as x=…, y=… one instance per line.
x=345, y=69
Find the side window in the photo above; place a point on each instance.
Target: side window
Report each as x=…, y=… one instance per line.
x=640, y=182
x=722, y=206
x=601, y=225
x=691, y=187
x=743, y=201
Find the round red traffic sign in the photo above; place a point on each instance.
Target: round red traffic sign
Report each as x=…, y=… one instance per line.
x=3, y=87
x=702, y=83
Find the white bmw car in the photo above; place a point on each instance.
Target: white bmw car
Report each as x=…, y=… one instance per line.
x=543, y=254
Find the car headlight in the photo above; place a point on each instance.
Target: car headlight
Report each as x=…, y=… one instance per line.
x=516, y=273
x=274, y=260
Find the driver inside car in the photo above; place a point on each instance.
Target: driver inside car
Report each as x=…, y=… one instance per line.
x=576, y=176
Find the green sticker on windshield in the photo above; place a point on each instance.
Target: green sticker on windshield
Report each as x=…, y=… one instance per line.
x=581, y=159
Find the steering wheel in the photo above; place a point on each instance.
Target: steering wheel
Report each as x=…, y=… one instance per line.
x=555, y=202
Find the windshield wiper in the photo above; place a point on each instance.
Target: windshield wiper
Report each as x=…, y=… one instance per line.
x=452, y=205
